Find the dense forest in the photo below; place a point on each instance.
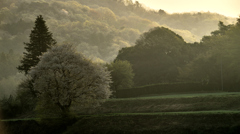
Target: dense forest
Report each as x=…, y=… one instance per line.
x=100, y=28
x=161, y=56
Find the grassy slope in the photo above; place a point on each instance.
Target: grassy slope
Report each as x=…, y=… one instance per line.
x=173, y=103
x=209, y=113
x=173, y=123
x=188, y=113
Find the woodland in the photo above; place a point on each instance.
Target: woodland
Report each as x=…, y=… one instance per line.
x=98, y=29
x=116, y=66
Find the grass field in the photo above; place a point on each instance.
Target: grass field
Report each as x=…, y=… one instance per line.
x=172, y=103
x=187, y=95
x=205, y=113
x=182, y=113
x=204, y=122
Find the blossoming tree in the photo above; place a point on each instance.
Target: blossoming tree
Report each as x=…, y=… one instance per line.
x=64, y=77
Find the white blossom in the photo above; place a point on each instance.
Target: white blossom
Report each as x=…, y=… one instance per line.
x=65, y=77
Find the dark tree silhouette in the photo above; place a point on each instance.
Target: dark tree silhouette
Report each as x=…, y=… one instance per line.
x=157, y=56
x=40, y=40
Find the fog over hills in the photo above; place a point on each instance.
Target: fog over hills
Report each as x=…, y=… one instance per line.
x=98, y=28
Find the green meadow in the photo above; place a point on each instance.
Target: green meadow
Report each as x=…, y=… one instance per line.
x=183, y=113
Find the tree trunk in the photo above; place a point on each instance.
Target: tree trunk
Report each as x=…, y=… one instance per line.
x=64, y=110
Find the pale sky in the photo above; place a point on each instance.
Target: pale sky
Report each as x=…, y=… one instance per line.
x=229, y=8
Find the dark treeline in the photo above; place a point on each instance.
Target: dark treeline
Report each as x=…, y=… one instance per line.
x=98, y=28
x=161, y=56
x=219, y=65
x=157, y=56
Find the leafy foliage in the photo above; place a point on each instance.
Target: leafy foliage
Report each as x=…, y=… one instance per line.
x=219, y=64
x=21, y=104
x=9, y=107
x=122, y=74
x=157, y=56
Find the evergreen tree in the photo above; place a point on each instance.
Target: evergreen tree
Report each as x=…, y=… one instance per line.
x=40, y=40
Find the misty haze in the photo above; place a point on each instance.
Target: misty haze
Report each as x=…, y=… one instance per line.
x=116, y=66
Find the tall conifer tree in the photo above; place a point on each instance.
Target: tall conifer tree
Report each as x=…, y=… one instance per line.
x=40, y=40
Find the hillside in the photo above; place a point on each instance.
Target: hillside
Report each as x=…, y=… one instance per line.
x=98, y=29
x=92, y=24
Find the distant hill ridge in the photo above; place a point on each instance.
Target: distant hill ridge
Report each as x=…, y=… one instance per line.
x=98, y=28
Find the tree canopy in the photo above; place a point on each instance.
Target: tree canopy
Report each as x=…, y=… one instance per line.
x=122, y=74
x=64, y=78
x=219, y=64
x=157, y=56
